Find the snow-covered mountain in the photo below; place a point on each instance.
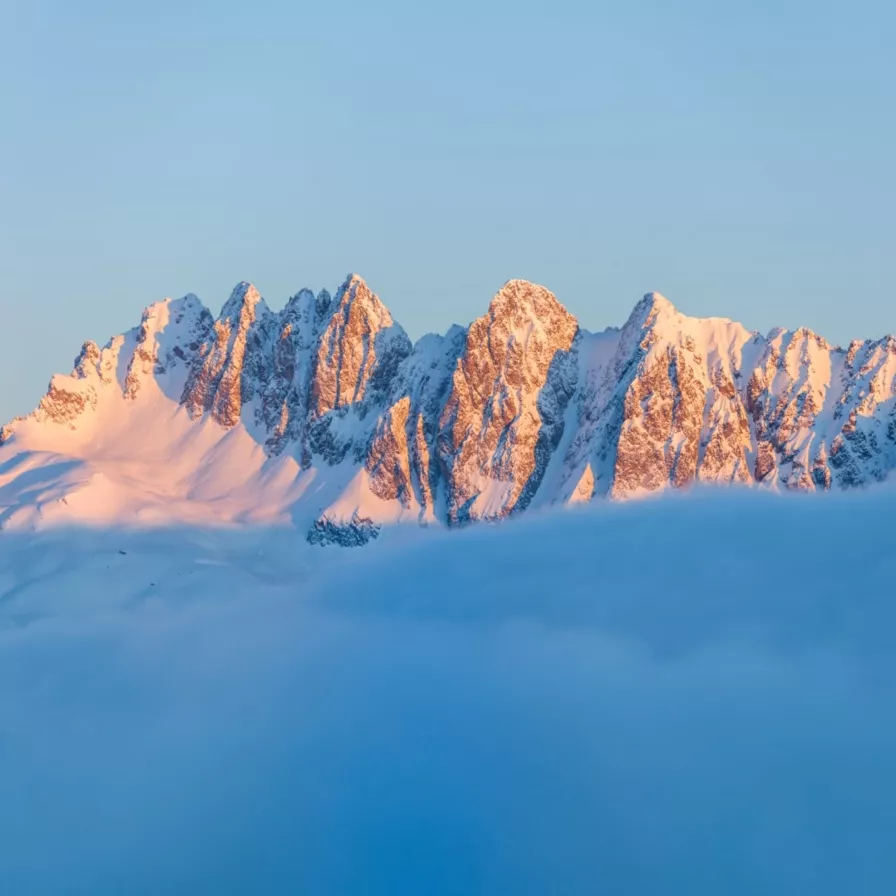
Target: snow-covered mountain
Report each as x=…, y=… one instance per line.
x=325, y=414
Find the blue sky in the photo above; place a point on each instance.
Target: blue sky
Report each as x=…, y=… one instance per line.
x=738, y=158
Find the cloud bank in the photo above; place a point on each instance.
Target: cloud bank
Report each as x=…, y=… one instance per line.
x=679, y=696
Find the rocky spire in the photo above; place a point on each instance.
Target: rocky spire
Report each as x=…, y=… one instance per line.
x=492, y=441
x=358, y=351
x=231, y=361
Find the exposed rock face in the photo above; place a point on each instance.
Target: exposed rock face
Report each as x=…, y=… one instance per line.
x=388, y=460
x=351, y=534
x=232, y=361
x=286, y=398
x=295, y=370
x=402, y=460
x=169, y=338
x=522, y=408
x=359, y=350
x=506, y=403
x=682, y=417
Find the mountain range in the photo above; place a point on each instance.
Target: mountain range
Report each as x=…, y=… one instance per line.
x=326, y=415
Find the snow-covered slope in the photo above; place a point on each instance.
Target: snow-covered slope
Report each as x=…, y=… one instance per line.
x=326, y=415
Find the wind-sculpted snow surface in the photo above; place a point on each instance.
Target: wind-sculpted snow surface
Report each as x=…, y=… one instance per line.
x=324, y=414
x=625, y=699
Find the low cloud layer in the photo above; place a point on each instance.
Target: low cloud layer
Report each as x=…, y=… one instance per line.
x=681, y=696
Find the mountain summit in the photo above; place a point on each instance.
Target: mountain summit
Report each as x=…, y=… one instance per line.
x=326, y=415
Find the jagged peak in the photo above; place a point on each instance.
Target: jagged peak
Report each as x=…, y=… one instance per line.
x=656, y=320
x=354, y=279
x=476, y=415
x=303, y=295
x=651, y=308
x=352, y=286
x=524, y=298
x=324, y=303
x=653, y=305
x=355, y=290
x=433, y=343
x=306, y=305
x=784, y=338
x=87, y=357
x=299, y=303
x=522, y=283
x=810, y=335
x=519, y=288
x=187, y=304
x=245, y=297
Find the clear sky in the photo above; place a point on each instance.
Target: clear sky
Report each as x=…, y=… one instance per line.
x=740, y=158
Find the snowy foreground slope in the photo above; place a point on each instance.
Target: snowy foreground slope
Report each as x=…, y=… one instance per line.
x=677, y=696
x=324, y=415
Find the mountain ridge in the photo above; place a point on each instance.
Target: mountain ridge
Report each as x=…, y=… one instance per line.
x=326, y=415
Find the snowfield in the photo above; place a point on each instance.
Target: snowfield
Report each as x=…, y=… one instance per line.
x=690, y=695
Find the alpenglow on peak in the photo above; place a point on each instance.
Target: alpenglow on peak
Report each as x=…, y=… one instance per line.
x=324, y=415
